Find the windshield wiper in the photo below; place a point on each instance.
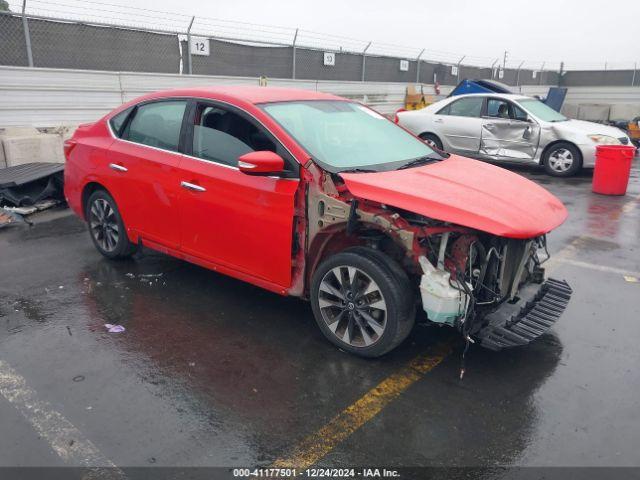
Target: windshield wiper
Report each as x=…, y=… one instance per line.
x=420, y=161
x=357, y=170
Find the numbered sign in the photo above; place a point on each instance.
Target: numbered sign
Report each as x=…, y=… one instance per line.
x=533, y=74
x=404, y=65
x=200, y=46
x=501, y=73
x=454, y=70
x=329, y=59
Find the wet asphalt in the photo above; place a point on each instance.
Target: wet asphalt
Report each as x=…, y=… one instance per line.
x=214, y=372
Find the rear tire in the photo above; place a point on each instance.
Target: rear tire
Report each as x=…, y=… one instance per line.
x=432, y=140
x=363, y=302
x=562, y=160
x=106, y=227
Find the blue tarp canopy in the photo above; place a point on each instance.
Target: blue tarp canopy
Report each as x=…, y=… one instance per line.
x=479, y=86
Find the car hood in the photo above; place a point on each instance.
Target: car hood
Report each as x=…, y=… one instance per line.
x=465, y=192
x=587, y=128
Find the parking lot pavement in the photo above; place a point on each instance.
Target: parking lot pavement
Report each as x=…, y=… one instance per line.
x=214, y=372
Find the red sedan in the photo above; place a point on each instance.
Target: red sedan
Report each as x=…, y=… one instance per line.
x=313, y=195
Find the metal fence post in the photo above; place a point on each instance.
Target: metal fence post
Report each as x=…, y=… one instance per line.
x=541, y=73
x=418, y=66
x=518, y=74
x=293, y=68
x=633, y=78
x=458, y=68
x=492, y=67
x=27, y=35
x=189, y=62
x=364, y=57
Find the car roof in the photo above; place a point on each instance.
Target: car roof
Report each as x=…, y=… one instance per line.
x=250, y=94
x=510, y=96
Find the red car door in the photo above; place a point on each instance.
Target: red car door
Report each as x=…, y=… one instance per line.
x=240, y=222
x=145, y=161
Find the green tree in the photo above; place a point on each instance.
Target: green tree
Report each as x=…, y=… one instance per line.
x=4, y=6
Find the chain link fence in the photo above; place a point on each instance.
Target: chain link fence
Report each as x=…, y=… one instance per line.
x=176, y=43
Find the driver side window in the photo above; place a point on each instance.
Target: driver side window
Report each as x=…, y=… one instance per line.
x=222, y=136
x=499, y=108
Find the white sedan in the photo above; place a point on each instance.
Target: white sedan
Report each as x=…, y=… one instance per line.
x=514, y=128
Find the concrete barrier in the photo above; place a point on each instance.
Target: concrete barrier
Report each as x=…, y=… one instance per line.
x=22, y=145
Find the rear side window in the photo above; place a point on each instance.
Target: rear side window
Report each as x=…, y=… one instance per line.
x=465, y=107
x=117, y=121
x=157, y=124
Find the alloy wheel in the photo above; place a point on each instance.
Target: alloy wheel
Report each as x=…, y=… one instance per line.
x=561, y=160
x=352, y=306
x=104, y=225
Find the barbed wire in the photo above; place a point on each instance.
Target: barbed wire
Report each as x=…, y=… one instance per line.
x=129, y=16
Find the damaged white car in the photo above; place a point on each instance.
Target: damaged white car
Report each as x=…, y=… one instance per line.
x=513, y=128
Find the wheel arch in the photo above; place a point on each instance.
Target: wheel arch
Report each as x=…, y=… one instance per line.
x=431, y=133
x=547, y=148
x=336, y=239
x=87, y=190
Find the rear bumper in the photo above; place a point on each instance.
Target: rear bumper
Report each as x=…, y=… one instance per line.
x=515, y=324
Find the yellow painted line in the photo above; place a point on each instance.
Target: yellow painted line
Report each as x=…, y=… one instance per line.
x=630, y=205
x=317, y=445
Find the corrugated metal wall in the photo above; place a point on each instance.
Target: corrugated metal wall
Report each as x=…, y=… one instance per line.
x=51, y=97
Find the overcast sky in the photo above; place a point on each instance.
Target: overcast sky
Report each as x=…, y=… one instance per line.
x=583, y=32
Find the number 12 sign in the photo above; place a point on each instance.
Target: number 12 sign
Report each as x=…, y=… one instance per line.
x=200, y=46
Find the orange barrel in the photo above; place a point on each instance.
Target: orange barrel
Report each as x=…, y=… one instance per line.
x=613, y=165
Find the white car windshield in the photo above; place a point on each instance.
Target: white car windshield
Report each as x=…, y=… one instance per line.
x=541, y=110
x=343, y=135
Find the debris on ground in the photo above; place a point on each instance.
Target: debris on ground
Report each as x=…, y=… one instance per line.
x=9, y=218
x=111, y=328
x=30, y=184
x=34, y=208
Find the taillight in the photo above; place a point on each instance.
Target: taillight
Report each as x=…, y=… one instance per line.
x=69, y=145
x=396, y=119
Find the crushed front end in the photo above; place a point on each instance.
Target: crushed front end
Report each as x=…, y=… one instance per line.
x=492, y=289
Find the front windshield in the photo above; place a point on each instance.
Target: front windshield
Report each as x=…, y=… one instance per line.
x=346, y=136
x=541, y=110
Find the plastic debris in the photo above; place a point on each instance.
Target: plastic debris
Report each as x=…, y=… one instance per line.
x=111, y=328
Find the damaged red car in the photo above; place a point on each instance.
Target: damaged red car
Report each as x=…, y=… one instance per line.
x=316, y=196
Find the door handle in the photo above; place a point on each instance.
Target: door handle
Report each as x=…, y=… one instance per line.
x=438, y=120
x=192, y=187
x=118, y=168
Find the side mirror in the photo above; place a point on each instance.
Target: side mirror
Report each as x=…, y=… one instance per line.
x=263, y=162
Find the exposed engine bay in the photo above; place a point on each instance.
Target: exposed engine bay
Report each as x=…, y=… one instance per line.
x=490, y=288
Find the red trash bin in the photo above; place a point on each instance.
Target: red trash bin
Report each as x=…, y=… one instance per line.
x=613, y=165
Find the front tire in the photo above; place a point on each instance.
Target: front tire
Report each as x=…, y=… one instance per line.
x=362, y=302
x=562, y=160
x=106, y=227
